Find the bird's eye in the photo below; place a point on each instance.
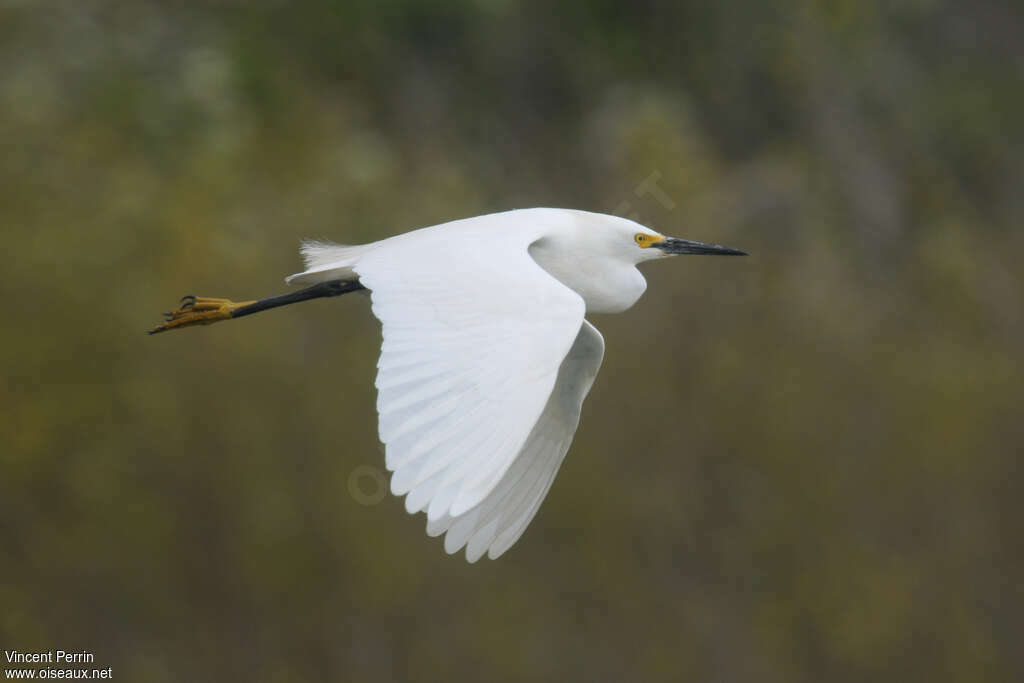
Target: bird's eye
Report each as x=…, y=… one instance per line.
x=640, y=238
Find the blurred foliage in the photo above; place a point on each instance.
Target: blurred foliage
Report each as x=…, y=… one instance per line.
x=804, y=465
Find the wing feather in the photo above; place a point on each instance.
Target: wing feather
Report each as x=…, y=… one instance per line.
x=495, y=524
x=475, y=333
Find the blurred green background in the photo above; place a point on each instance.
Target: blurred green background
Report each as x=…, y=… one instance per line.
x=799, y=466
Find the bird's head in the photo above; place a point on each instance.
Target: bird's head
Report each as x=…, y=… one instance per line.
x=596, y=255
x=621, y=239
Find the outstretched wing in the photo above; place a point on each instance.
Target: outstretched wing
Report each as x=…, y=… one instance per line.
x=499, y=520
x=474, y=335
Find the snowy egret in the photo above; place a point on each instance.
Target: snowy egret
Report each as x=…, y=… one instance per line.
x=486, y=355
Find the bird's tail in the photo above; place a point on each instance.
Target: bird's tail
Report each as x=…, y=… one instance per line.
x=327, y=261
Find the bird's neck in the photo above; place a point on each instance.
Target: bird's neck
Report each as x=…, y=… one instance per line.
x=605, y=286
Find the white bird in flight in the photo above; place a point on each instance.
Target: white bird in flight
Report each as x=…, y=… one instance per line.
x=486, y=355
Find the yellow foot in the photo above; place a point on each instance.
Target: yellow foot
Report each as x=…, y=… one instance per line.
x=199, y=310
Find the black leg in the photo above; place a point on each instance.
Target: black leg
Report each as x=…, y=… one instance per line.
x=196, y=310
x=323, y=289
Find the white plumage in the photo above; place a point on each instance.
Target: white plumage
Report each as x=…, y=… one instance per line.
x=486, y=356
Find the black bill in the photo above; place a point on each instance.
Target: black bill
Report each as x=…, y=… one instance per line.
x=674, y=245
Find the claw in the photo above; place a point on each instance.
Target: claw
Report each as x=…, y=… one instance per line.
x=195, y=310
